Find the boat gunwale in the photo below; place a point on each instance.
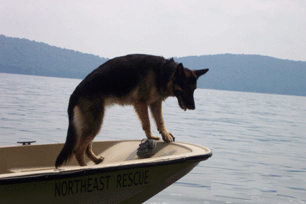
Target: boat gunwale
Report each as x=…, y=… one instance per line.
x=91, y=170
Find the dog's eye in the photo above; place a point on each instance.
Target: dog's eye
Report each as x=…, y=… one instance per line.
x=178, y=88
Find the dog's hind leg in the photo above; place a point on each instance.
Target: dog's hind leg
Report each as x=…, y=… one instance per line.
x=92, y=117
x=92, y=156
x=80, y=155
x=85, y=147
x=142, y=112
x=156, y=110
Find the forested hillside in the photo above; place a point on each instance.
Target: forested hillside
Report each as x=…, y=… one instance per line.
x=22, y=56
x=250, y=73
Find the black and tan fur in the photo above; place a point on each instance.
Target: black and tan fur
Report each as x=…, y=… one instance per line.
x=139, y=80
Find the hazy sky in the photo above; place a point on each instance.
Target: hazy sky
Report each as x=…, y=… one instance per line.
x=169, y=28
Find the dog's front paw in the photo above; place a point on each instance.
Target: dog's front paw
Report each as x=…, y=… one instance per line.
x=168, y=137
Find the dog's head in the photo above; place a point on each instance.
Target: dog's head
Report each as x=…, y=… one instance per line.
x=184, y=84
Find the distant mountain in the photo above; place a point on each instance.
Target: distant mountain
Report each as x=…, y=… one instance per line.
x=22, y=56
x=249, y=73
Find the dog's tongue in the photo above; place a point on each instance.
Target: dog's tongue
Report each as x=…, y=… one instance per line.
x=182, y=105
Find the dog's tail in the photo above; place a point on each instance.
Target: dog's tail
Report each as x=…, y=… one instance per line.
x=71, y=140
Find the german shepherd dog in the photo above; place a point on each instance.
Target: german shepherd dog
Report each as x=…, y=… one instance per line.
x=139, y=80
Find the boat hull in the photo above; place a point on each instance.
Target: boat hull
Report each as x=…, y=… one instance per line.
x=132, y=185
x=129, y=180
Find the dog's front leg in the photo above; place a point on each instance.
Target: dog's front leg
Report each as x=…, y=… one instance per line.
x=142, y=112
x=156, y=110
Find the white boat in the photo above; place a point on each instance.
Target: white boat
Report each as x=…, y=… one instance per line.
x=27, y=173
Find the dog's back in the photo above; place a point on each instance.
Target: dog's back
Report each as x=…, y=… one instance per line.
x=119, y=76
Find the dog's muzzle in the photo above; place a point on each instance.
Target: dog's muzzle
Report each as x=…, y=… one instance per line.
x=185, y=105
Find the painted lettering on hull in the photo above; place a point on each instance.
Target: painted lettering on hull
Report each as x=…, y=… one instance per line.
x=77, y=186
x=101, y=183
x=132, y=178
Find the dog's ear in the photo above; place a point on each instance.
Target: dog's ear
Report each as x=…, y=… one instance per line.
x=179, y=72
x=200, y=72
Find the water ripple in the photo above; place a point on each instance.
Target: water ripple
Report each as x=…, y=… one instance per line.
x=258, y=140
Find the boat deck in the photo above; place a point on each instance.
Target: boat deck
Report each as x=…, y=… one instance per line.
x=28, y=159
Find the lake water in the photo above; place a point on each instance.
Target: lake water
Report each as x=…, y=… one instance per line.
x=258, y=140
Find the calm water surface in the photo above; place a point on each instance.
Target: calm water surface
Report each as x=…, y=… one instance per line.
x=258, y=140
